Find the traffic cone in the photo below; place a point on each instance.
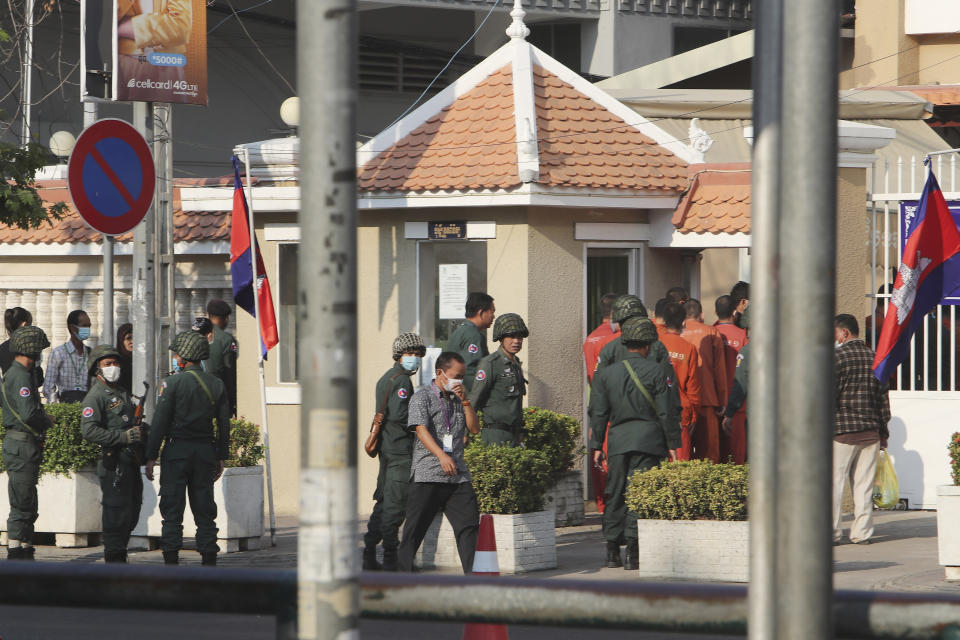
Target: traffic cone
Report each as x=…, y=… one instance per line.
x=485, y=564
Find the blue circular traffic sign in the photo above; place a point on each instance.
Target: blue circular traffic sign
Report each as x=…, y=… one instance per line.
x=111, y=176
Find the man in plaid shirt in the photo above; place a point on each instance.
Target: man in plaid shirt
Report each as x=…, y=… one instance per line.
x=860, y=427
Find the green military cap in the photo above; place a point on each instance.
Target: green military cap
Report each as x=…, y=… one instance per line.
x=638, y=330
x=744, y=320
x=509, y=324
x=99, y=353
x=626, y=307
x=28, y=341
x=408, y=341
x=191, y=346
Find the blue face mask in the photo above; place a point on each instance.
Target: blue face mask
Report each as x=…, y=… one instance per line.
x=410, y=363
x=83, y=333
x=175, y=365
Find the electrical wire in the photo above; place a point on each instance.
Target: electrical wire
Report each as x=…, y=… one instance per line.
x=260, y=51
x=237, y=13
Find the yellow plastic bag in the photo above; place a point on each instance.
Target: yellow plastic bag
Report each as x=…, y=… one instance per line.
x=886, y=489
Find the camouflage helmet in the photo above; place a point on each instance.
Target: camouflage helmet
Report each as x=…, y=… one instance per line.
x=28, y=341
x=638, y=330
x=191, y=346
x=99, y=353
x=626, y=307
x=408, y=341
x=509, y=324
x=743, y=320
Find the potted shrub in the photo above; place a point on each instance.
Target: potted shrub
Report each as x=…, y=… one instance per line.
x=510, y=483
x=692, y=520
x=68, y=491
x=559, y=438
x=948, y=514
x=238, y=494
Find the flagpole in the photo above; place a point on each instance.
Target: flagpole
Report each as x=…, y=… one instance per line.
x=260, y=342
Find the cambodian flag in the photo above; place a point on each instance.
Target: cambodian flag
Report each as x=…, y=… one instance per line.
x=929, y=272
x=241, y=268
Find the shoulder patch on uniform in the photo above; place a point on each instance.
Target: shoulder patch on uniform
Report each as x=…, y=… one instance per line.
x=473, y=348
x=233, y=347
x=669, y=382
x=481, y=375
x=24, y=392
x=402, y=394
x=87, y=412
x=739, y=359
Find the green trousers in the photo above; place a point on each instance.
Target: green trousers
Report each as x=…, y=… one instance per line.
x=122, y=495
x=21, y=458
x=393, y=484
x=620, y=523
x=187, y=468
x=500, y=434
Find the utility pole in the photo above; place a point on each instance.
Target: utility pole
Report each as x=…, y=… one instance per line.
x=26, y=73
x=165, y=271
x=143, y=288
x=327, y=320
x=764, y=318
x=806, y=293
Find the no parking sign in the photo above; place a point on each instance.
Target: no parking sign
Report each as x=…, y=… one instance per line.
x=111, y=176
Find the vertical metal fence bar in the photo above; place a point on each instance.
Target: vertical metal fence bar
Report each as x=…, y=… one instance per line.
x=808, y=161
x=953, y=347
x=939, y=312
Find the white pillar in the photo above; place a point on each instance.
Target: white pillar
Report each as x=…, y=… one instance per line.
x=44, y=315
x=91, y=304
x=122, y=308
x=184, y=316
x=57, y=331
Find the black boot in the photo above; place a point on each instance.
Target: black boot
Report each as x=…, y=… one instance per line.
x=28, y=553
x=632, y=561
x=370, y=559
x=171, y=557
x=14, y=553
x=208, y=559
x=613, y=555
x=114, y=556
x=390, y=560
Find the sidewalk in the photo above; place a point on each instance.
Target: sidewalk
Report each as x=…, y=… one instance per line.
x=903, y=556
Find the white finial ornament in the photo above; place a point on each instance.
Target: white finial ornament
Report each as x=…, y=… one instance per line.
x=517, y=29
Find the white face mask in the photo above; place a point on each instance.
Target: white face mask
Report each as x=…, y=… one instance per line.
x=837, y=344
x=110, y=374
x=452, y=383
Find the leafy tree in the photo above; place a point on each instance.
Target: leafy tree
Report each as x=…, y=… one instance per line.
x=20, y=204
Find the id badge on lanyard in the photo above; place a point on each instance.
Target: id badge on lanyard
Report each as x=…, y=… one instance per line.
x=446, y=438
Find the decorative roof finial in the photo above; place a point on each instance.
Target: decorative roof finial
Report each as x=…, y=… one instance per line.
x=517, y=29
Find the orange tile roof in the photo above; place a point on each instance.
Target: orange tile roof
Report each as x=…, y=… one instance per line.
x=471, y=145
x=717, y=201
x=941, y=95
x=188, y=226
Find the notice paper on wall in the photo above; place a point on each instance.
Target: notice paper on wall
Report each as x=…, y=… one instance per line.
x=452, y=290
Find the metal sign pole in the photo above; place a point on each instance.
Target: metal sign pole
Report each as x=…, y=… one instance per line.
x=143, y=298
x=327, y=320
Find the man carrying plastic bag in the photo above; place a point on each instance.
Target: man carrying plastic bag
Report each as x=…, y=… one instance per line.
x=859, y=428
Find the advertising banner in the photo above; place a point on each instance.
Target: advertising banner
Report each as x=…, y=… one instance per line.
x=160, y=51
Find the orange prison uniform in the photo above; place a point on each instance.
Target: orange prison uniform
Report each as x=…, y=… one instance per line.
x=686, y=364
x=592, y=347
x=733, y=446
x=713, y=387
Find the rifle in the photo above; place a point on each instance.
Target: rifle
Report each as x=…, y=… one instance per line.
x=136, y=451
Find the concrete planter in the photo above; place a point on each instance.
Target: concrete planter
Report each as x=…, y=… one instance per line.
x=948, y=520
x=239, y=498
x=525, y=542
x=69, y=508
x=565, y=498
x=695, y=549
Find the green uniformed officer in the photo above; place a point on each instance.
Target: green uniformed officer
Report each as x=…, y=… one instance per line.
x=741, y=379
x=499, y=386
x=223, y=350
x=624, y=308
x=26, y=423
x=393, y=393
x=469, y=339
x=194, y=450
x=107, y=419
x=631, y=397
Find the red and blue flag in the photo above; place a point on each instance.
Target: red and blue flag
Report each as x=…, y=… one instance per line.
x=929, y=272
x=241, y=268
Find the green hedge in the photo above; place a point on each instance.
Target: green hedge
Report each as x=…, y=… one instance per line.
x=508, y=479
x=695, y=490
x=65, y=450
x=557, y=436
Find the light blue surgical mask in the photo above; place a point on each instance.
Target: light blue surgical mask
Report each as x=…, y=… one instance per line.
x=83, y=333
x=410, y=363
x=175, y=365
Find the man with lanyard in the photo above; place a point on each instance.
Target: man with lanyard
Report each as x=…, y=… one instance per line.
x=25, y=423
x=66, y=377
x=107, y=419
x=469, y=339
x=393, y=393
x=629, y=403
x=499, y=386
x=193, y=456
x=441, y=415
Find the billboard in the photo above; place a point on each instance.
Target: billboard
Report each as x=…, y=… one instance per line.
x=157, y=50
